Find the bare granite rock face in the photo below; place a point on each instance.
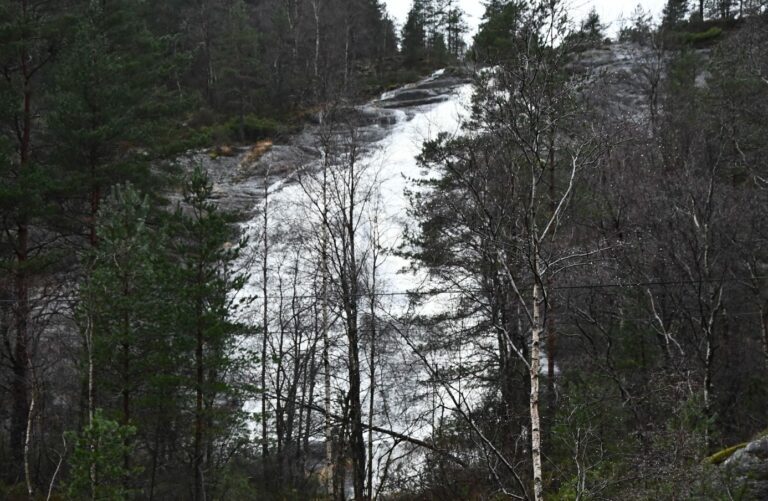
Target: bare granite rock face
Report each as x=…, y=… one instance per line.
x=621, y=82
x=433, y=89
x=626, y=78
x=748, y=467
x=239, y=177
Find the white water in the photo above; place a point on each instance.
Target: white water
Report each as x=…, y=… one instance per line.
x=403, y=403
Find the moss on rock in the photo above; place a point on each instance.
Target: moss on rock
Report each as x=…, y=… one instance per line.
x=720, y=456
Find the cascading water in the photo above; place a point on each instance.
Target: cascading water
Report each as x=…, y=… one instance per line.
x=388, y=136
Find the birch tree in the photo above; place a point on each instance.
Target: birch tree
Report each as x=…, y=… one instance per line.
x=523, y=128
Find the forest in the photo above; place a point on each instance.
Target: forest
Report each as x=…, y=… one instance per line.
x=292, y=249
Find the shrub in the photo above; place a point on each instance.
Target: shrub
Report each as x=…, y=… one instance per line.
x=254, y=128
x=100, y=449
x=704, y=37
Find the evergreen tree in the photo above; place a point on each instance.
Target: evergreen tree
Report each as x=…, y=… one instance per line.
x=110, y=104
x=238, y=53
x=31, y=34
x=124, y=310
x=674, y=13
x=591, y=28
x=590, y=33
x=499, y=29
x=206, y=302
x=640, y=30
x=96, y=462
x=438, y=51
x=455, y=28
x=414, y=36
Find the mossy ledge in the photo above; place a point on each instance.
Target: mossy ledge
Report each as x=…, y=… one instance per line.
x=720, y=456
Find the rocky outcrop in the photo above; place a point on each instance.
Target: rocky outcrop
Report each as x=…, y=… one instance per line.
x=239, y=173
x=748, y=469
x=625, y=79
x=433, y=89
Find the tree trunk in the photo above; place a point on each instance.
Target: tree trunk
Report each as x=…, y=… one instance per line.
x=27, y=440
x=536, y=330
x=92, y=446
x=95, y=201
x=550, y=319
x=20, y=362
x=326, y=342
x=764, y=326
x=199, y=380
x=347, y=62
x=265, y=326
x=316, y=62
x=357, y=444
x=372, y=377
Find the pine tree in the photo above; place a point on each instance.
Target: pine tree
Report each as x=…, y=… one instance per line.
x=238, y=53
x=96, y=468
x=206, y=302
x=109, y=103
x=674, y=13
x=414, y=35
x=455, y=28
x=499, y=29
x=123, y=309
x=640, y=31
x=31, y=34
x=592, y=28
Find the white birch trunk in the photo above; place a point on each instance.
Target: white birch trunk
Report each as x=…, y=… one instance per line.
x=535, y=370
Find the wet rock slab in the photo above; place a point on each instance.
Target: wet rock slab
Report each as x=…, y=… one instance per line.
x=431, y=90
x=240, y=176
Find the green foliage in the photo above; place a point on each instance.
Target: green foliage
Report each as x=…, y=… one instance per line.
x=592, y=28
x=255, y=128
x=704, y=37
x=499, y=29
x=110, y=110
x=414, y=36
x=97, y=470
x=674, y=13
x=721, y=455
x=236, y=129
x=158, y=288
x=432, y=35
x=237, y=51
x=123, y=302
x=640, y=30
x=204, y=293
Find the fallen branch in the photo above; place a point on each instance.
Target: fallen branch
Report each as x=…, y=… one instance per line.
x=399, y=436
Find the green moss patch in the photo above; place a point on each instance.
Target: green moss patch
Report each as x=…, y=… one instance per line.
x=720, y=456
